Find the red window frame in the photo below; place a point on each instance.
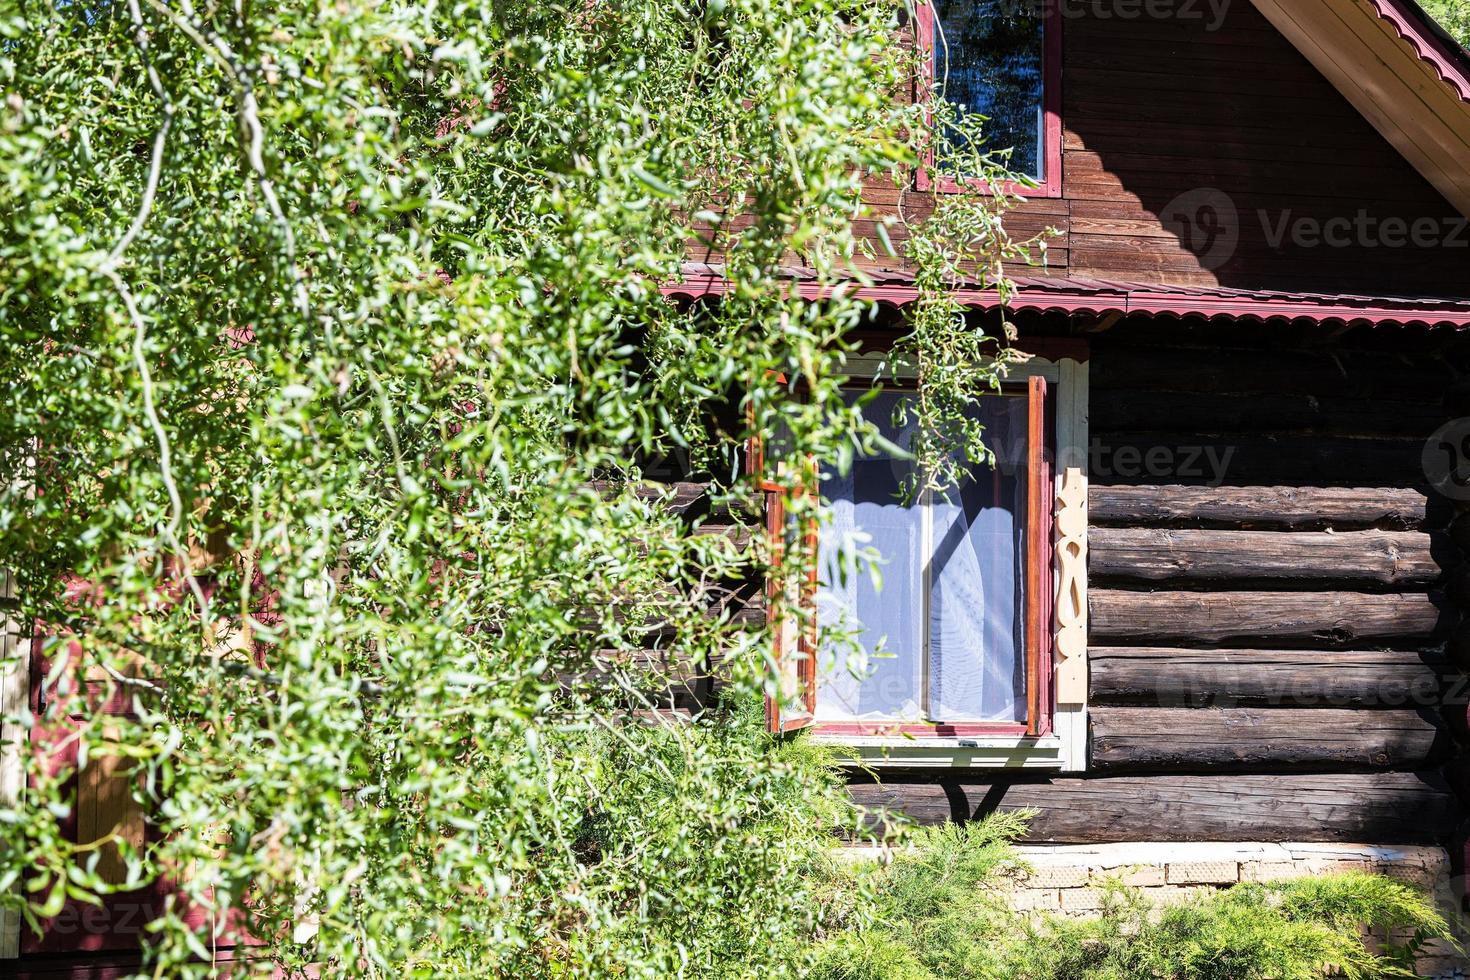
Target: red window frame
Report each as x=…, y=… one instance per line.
x=929, y=179
x=795, y=638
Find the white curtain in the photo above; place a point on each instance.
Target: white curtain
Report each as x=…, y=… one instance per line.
x=974, y=560
x=883, y=681
x=976, y=607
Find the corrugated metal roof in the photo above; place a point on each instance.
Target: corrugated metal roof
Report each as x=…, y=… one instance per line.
x=1102, y=297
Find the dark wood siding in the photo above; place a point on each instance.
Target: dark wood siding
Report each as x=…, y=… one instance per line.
x=1275, y=644
x=1160, y=114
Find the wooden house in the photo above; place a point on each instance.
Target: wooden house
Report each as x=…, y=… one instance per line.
x=1233, y=516
x=1233, y=636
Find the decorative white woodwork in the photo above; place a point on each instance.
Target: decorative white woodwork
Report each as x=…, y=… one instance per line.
x=1070, y=534
x=1069, y=636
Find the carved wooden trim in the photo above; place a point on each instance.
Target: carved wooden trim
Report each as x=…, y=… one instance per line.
x=1070, y=537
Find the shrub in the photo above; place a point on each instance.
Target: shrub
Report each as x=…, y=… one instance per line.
x=337, y=373
x=940, y=913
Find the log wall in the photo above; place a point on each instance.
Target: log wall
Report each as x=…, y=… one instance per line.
x=1275, y=642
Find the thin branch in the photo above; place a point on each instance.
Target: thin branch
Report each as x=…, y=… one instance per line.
x=127, y=681
x=248, y=114
x=172, y=529
x=160, y=140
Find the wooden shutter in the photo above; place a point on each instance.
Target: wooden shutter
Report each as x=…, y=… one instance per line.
x=792, y=701
x=1038, y=568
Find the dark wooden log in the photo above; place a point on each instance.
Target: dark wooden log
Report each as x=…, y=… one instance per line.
x=1276, y=508
x=1460, y=531
x=740, y=536
x=1159, y=456
x=692, y=499
x=1161, y=554
x=677, y=497
x=1190, y=739
x=1377, y=808
x=1321, y=373
x=1193, y=411
x=665, y=678
x=1175, y=677
x=1324, y=618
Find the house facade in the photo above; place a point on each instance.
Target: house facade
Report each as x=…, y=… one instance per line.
x=1204, y=612
x=1231, y=644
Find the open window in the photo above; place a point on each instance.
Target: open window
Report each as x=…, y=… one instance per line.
x=1002, y=60
x=969, y=646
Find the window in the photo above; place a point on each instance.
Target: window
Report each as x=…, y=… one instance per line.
x=970, y=646
x=949, y=638
x=1000, y=59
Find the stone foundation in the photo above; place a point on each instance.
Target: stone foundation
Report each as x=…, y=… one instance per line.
x=1069, y=879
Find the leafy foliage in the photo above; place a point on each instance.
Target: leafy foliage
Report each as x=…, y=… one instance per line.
x=939, y=913
x=1453, y=15
x=1296, y=930
x=335, y=363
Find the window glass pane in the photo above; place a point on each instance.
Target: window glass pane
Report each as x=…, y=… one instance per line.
x=988, y=59
x=869, y=500
x=977, y=663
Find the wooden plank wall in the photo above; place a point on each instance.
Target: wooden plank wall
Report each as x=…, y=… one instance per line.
x=1269, y=642
x=1158, y=112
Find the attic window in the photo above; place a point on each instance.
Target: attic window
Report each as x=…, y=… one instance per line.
x=1002, y=60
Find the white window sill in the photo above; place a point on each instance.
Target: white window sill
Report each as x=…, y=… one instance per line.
x=962, y=752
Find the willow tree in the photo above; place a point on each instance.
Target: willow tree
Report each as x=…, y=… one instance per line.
x=334, y=353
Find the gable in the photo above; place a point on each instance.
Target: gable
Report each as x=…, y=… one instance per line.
x=1213, y=152
x=1407, y=77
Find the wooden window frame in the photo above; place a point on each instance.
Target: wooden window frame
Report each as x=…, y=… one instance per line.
x=1056, y=737
x=928, y=177
x=795, y=705
x=1038, y=575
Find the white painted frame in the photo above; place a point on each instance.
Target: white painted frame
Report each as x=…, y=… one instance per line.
x=1065, y=749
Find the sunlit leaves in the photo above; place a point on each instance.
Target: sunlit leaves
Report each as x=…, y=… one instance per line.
x=398, y=300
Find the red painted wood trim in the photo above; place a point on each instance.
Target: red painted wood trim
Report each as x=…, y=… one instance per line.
x=1051, y=93
x=1270, y=308
x=1449, y=61
x=775, y=609
x=902, y=294
x=1036, y=583
x=778, y=719
x=917, y=729
x=1039, y=601
x=1155, y=301
x=1046, y=559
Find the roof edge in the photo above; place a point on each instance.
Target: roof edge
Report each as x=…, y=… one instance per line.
x=1434, y=45
x=1103, y=299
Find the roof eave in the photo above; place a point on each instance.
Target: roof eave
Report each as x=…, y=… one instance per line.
x=1126, y=299
x=1407, y=80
